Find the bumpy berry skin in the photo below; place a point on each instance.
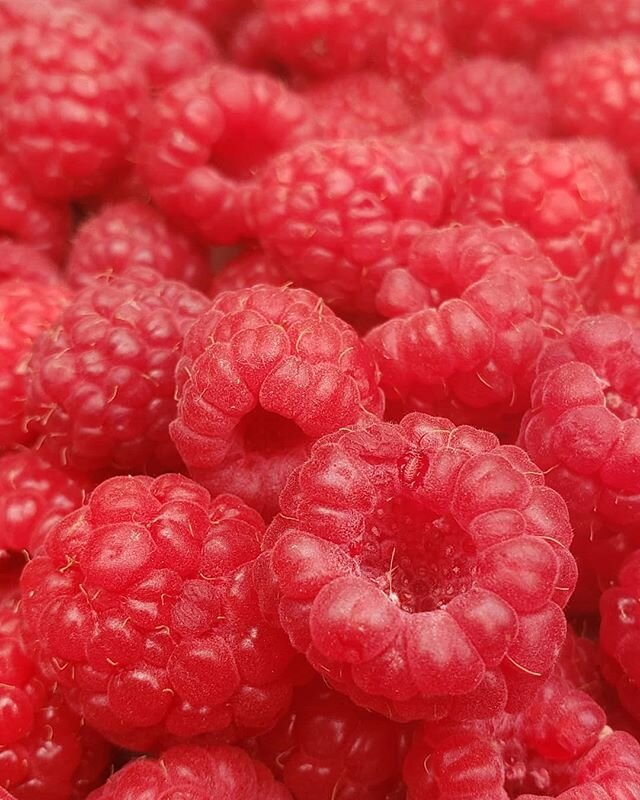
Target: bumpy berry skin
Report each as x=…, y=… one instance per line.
x=583, y=432
x=141, y=605
x=213, y=14
x=249, y=44
x=34, y=496
x=485, y=88
x=593, y=90
x=21, y=262
x=470, y=314
x=46, y=751
x=248, y=269
x=101, y=384
x=623, y=296
x=327, y=748
x=610, y=17
x=204, y=137
x=572, y=197
x=264, y=373
x=132, y=234
x=26, y=309
x=398, y=567
x=72, y=103
x=337, y=215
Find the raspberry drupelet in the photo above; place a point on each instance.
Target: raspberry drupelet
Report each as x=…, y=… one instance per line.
x=133, y=234
x=203, y=138
x=213, y=14
x=422, y=569
x=194, y=773
x=327, y=748
x=25, y=263
x=623, y=293
x=141, y=605
x=247, y=269
x=265, y=372
x=101, y=386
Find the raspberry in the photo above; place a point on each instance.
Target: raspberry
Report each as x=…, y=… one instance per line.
x=34, y=496
x=337, y=215
x=323, y=38
x=194, y=773
x=478, y=305
x=488, y=88
x=141, y=605
x=611, y=17
x=573, y=197
x=247, y=269
x=22, y=262
x=25, y=310
x=26, y=219
x=582, y=431
x=71, y=104
x=132, y=234
x=101, y=392
x=623, y=295
x=46, y=751
x=325, y=747
x=205, y=136
x=265, y=372
x=421, y=568
x=212, y=14
x=249, y=43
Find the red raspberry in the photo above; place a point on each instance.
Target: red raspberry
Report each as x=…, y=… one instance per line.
x=26, y=308
x=327, y=748
x=573, y=197
x=34, y=496
x=132, y=234
x=46, y=751
x=610, y=17
x=593, y=90
x=264, y=373
x=249, y=44
x=22, y=262
x=486, y=88
x=205, y=136
x=583, y=432
x=193, y=773
x=26, y=219
x=213, y=14
x=71, y=104
x=338, y=215
x=421, y=568
x=141, y=605
x=247, y=269
x=623, y=296
x=323, y=38
x=472, y=310
x=101, y=392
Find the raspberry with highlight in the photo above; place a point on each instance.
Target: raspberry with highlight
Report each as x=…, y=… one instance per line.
x=71, y=103
x=337, y=216
x=34, y=496
x=264, y=373
x=421, y=568
x=573, y=197
x=26, y=309
x=203, y=139
x=141, y=606
x=246, y=270
x=46, y=750
x=25, y=263
x=101, y=383
x=325, y=748
x=132, y=234
x=470, y=314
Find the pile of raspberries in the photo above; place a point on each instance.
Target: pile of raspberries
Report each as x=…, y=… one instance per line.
x=319, y=399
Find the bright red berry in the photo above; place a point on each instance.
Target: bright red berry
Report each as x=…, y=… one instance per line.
x=25, y=263
x=610, y=18
x=248, y=269
x=213, y=14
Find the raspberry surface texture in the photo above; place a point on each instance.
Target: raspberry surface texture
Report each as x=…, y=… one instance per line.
x=101, y=380
x=248, y=269
x=422, y=569
x=141, y=606
x=23, y=262
x=265, y=372
x=623, y=296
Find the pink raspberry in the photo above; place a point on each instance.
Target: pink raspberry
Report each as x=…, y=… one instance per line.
x=132, y=234
x=487, y=88
x=71, y=103
x=470, y=313
x=623, y=295
x=141, y=605
x=573, y=197
x=194, y=773
x=247, y=269
x=22, y=262
x=26, y=309
x=46, y=750
x=326, y=747
x=422, y=569
x=34, y=496
x=338, y=215
x=204, y=138
x=101, y=388
x=265, y=372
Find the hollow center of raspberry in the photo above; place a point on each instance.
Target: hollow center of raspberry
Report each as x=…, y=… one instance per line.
x=420, y=560
x=265, y=432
